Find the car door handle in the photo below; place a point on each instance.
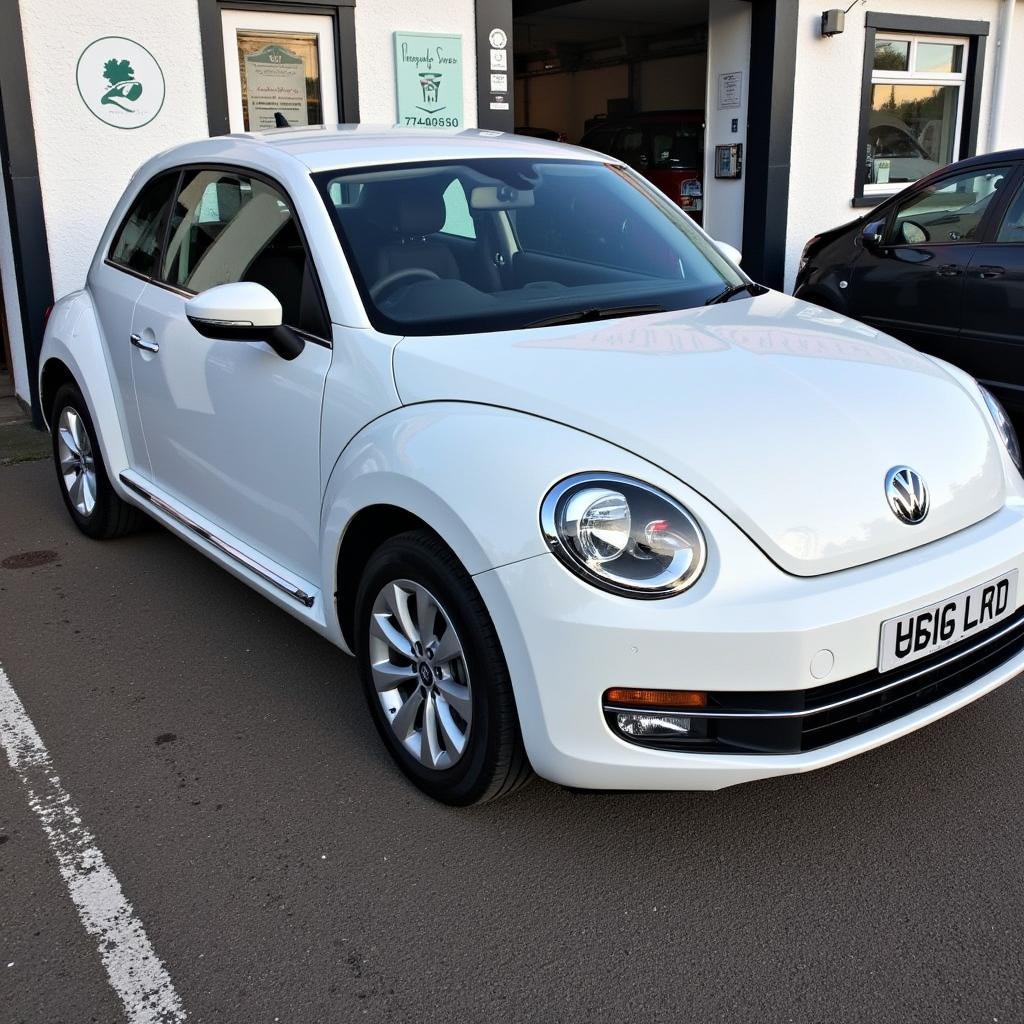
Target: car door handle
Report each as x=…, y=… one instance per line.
x=948, y=270
x=987, y=272
x=147, y=346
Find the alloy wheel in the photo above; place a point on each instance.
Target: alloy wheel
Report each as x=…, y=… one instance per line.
x=420, y=675
x=77, y=465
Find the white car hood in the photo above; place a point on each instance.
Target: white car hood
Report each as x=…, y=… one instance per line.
x=785, y=416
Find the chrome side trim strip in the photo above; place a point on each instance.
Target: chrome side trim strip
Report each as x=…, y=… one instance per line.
x=808, y=712
x=264, y=574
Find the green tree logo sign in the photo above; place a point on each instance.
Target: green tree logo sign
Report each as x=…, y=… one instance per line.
x=124, y=90
x=120, y=82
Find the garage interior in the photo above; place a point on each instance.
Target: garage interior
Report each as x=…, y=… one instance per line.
x=592, y=63
x=586, y=59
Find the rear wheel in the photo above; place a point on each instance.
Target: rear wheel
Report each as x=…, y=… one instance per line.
x=88, y=495
x=434, y=675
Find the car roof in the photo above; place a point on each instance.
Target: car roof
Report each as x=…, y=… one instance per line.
x=988, y=158
x=332, y=147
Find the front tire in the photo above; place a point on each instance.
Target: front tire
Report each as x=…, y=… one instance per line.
x=84, y=485
x=434, y=674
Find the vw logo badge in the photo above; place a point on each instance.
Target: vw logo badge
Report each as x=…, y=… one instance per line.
x=907, y=494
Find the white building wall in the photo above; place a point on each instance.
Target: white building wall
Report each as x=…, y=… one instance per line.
x=826, y=108
x=1009, y=130
x=377, y=20
x=12, y=304
x=85, y=164
x=728, y=51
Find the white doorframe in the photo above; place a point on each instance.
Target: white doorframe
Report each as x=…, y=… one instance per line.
x=320, y=25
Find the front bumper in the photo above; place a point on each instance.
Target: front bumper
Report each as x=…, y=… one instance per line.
x=749, y=629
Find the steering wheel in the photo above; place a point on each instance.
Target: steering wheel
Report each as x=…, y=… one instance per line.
x=390, y=280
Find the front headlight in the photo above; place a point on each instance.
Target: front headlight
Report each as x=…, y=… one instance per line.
x=623, y=535
x=1003, y=426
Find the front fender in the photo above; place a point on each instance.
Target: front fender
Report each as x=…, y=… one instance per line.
x=475, y=474
x=73, y=338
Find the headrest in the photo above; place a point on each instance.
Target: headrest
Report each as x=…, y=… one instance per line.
x=420, y=214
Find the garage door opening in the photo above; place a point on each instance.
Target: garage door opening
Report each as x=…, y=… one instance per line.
x=627, y=79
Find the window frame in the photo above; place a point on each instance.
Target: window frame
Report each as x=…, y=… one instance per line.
x=1016, y=192
x=181, y=170
x=109, y=259
x=971, y=34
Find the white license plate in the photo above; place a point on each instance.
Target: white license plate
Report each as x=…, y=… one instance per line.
x=927, y=630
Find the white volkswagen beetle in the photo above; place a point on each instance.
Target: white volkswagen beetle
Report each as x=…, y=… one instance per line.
x=492, y=415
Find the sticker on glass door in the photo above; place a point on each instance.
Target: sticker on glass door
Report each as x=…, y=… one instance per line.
x=281, y=70
x=280, y=79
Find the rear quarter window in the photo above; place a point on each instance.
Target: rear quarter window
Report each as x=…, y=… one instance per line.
x=136, y=245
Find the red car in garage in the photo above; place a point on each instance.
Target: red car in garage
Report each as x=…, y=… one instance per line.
x=665, y=146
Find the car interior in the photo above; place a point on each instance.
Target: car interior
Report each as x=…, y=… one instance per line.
x=226, y=229
x=437, y=244
x=952, y=212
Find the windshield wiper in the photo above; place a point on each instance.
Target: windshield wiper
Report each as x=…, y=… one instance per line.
x=585, y=316
x=731, y=292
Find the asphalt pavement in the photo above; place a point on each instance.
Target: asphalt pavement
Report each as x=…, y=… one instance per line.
x=221, y=757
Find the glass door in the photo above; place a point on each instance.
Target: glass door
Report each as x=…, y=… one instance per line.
x=280, y=69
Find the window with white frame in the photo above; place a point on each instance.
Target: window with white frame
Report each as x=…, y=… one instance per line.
x=915, y=108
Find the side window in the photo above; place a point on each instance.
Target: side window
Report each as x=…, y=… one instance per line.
x=137, y=243
x=457, y=218
x=951, y=210
x=228, y=227
x=1012, y=228
x=677, y=149
x=631, y=147
x=602, y=140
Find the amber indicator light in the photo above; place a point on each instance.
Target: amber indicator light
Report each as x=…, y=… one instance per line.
x=656, y=698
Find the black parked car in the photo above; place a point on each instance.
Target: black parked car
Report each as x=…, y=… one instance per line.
x=940, y=266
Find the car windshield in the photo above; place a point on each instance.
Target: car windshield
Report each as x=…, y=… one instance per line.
x=498, y=244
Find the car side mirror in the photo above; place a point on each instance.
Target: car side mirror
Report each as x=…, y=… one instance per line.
x=243, y=311
x=873, y=235
x=730, y=252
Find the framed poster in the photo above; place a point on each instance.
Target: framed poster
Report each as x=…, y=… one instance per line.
x=428, y=80
x=275, y=71
x=730, y=90
x=279, y=68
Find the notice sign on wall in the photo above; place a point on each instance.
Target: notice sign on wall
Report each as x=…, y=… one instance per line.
x=280, y=76
x=730, y=90
x=428, y=80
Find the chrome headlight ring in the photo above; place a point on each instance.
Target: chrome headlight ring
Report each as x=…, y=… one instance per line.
x=622, y=535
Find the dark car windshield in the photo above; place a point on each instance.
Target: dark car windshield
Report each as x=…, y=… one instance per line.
x=474, y=245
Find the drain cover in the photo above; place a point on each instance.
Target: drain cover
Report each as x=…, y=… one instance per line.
x=29, y=559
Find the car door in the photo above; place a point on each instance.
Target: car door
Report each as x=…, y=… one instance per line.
x=991, y=345
x=116, y=285
x=232, y=429
x=911, y=284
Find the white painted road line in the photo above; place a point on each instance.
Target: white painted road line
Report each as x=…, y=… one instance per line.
x=135, y=971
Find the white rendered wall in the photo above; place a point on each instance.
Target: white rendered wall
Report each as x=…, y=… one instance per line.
x=1010, y=128
x=85, y=164
x=826, y=108
x=378, y=20
x=728, y=51
x=12, y=307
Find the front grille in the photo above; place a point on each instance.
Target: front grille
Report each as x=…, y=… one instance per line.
x=792, y=721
